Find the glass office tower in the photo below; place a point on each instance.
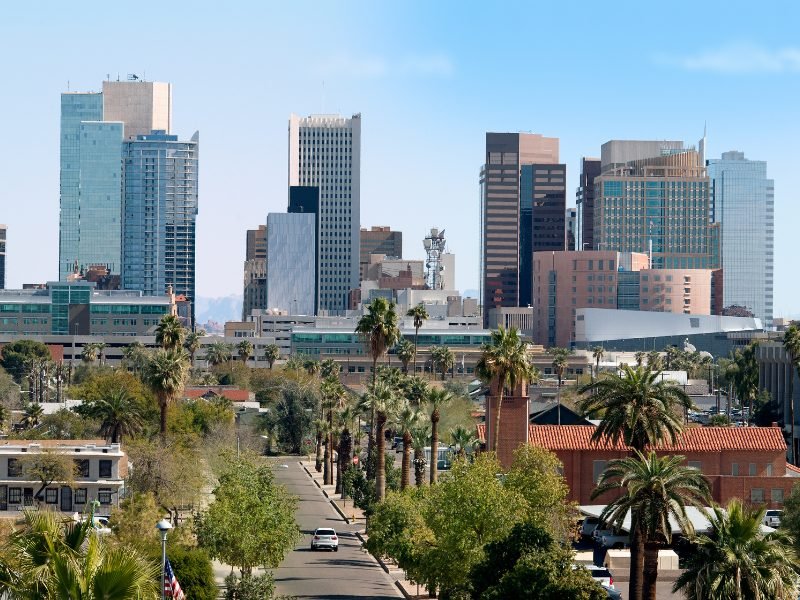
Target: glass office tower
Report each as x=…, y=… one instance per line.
x=291, y=262
x=159, y=214
x=744, y=205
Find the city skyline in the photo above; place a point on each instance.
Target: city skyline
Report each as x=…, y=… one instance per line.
x=423, y=113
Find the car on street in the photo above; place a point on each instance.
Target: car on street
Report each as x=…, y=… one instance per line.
x=600, y=574
x=772, y=518
x=325, y=537
x=588, y=526
x=615, y=540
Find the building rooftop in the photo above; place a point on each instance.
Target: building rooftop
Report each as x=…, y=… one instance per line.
x=693, y=439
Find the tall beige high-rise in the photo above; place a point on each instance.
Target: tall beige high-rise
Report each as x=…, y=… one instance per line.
x=143, y=106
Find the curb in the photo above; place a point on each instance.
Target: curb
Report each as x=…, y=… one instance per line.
x=325, y=493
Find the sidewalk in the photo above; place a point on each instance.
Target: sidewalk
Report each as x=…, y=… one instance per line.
x=353, y=515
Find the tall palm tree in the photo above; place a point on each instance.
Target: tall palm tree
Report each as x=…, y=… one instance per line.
x=53, y=559
x=463, y=440
x=654, y=360
x=560, y=364
x=380, y=330
x=505, y=359
x=119, y=414
x=380, y=400
x=640, y=358
x=100, y=347
x=192, y=343
x=312, y=367
x=165, y=375
x=170, y=333
x=436, y=400
x=654, y=490
x=333, y=395
x=89, y=352
x=405, y=352
x=639, y=410
x=320, y=427
x=271, y=354
x=415, y=389
x=420, y=315
x=443, y=359
x=329, y=368
x=218, y=353
x=597, y=354
x=135, y=356
x=791, y=342
x=245, y=350
x=346, y=418
x=736, y=561
x=408, y=417
x=420, y=435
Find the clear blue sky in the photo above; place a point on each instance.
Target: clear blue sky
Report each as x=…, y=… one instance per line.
x=430, y=78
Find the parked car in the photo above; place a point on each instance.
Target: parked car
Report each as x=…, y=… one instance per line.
x=618, y=539
x=588, y=526
x=325, y=537
x=600, y=531
x=600, y=574
x=772, y=518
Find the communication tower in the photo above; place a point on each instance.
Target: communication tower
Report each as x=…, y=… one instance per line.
x=435, y=245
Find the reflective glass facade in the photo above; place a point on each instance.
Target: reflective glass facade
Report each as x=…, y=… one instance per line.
x=291, y=262
x=743, y=204
x=160, y=211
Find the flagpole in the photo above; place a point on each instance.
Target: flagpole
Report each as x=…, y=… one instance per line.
x=163, y=527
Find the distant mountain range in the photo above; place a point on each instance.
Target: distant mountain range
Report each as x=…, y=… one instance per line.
x=225, y=308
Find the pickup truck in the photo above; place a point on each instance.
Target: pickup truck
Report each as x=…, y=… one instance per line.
x=615, y=540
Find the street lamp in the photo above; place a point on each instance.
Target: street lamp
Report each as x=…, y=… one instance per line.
x=163, y=527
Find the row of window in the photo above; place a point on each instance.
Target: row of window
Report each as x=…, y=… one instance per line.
x=81, y=467
x=24, y=496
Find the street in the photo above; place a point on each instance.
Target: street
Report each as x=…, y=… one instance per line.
x=350, y=573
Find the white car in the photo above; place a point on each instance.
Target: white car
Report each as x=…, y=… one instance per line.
x=772, y=518
x=589, y=525
x=325, y=537
x=600, y=574
x=615, y=540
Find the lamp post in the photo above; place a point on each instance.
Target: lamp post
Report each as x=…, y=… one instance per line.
x=163, y=527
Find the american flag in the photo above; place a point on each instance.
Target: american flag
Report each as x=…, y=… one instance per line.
x=172, y=589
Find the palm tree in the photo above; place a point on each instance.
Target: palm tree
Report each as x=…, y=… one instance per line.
x=504, y=359
x=654, y=490
x=639, y=410
x=320, y=427
x=346, y=417
x=245, y=350
x=53, y=559
x=597, y=354
x=192, y=343
x=271, y=354
x=736, y=561
x=436, y=400
x=380, y=330
x=640, y=358
x=560, y=364
x=405, y=352
x=381, y=401
x=89, y=352
x=329, y=368
x=119, y=414
x=218, y=353
x=415, y=389
x=101, y=348
x=654, y=360
x=464, y=439
x=408, y=418
x=419, y=439
x=170, y=333
x=420, y=315
x=312, y=367
x=333, y=395
x=791, y=342
x=135, y=356
x=443, y=359
x=32, y=414
x=165, y=375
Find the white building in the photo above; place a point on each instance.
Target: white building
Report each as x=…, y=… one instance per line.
x=100, y=471
x=325, y=151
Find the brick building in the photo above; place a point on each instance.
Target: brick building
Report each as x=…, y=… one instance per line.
x=739, y=462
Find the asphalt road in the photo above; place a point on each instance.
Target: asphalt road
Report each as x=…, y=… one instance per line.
x=349, y=574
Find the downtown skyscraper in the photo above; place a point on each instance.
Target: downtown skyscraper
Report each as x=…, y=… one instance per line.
x=325, y=152
x=743, y=202
x=523, y=210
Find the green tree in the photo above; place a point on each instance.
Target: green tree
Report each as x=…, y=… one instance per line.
x=47, y=467
x=89, y=353
x=251, y=521
x=245, y=350
x=408, y=418
x=736, y=561
x=194, y=570
x=655, y=490
x=639, y=410
x=15, y=355
x=640, y=358
x=31, y=415
x=436, y=400
x=654, y=360
x=405, y=352
x=442, y=359
x=64, y=424
x=135, y=356
x=791, y=342
x=272, y=353
x=419, y=439
x=329, y=368
x=504, y=359
x=597, y=353
x=560, y=364
x=291, y=416
x=249, y=587
x=419, y=315
x=48, y=558
x=218, y=353
x=119, y=414
x=170, y=333
x=464, y=440
x=166, y=374
x=192, y=343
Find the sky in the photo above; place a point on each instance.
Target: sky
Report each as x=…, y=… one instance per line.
x=429, y=79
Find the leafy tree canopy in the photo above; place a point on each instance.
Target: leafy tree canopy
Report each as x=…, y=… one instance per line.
x=13, y=356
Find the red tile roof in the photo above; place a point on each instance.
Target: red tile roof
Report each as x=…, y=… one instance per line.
x=234, y=395
x=693, y=439
x=791, y=467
